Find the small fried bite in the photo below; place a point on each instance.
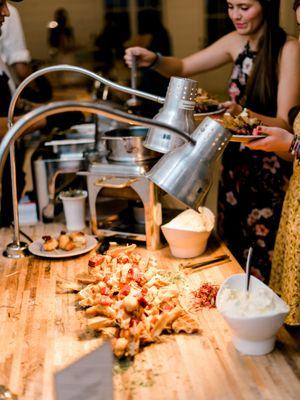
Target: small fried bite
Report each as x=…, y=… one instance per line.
x=79, y=239
x=50, y=243
x=65, y=242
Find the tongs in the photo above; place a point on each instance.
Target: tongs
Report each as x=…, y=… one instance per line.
x=223, y=258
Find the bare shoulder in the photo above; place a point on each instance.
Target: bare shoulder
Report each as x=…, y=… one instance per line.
x=232, y=38
x=234, y=44
x=291, y=47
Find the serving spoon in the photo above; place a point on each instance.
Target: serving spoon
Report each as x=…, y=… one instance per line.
x=248, y=268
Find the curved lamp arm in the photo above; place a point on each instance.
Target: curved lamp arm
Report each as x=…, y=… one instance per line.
x=26, y=121
x=34, y=116
x=74, y=68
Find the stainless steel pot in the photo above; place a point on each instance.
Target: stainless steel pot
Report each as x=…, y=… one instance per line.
x=126, y=145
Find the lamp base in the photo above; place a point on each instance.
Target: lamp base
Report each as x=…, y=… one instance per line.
x=14, y=250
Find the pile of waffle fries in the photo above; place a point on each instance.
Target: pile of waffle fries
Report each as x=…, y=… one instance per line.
x=131, y=301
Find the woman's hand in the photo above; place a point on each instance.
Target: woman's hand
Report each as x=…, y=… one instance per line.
x=144, y=57
x=233, y=108
x=278, y=140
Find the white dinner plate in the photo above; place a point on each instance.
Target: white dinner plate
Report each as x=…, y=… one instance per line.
x=245, y=138
x=36, y=248
x=220, y=111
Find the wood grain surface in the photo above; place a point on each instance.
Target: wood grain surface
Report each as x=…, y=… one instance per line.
x=41, y=332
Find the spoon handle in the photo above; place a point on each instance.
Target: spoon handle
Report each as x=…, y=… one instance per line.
x=133, y=74
x=248, y=268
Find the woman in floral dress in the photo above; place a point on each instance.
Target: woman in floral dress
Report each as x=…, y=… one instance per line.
x=285, y=273
x=253, y=184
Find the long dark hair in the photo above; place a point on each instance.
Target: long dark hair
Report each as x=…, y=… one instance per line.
x=261, y=91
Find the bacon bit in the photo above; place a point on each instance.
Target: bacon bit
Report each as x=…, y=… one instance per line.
x=206, y=295
x=133, y=322
x=104, y=291
x=167, y=307
x=143, y=302
x=96, y=260
x=125, y=290
x=130, y=274
x=144, y=291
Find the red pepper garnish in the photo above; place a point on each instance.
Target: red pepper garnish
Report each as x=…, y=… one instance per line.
x=206, y=295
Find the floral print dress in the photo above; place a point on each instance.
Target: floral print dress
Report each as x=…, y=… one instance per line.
x=285, y=274
x=252, y=188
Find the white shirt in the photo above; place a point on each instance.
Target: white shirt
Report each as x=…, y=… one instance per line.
x=11, y=83
x=12, y=41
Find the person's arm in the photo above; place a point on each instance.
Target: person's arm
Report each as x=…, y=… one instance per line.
x=3, y=127
x=288, y=88
x=21, y=70
x=278, y=141
x=216, y=55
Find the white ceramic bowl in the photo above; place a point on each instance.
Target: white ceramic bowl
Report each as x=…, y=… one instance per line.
x=253, y=335
x=185, y=244
x=187, y=234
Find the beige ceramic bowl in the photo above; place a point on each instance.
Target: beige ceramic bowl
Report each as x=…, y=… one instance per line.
x=185, y=243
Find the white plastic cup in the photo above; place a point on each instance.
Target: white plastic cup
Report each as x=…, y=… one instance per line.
x=74, y=209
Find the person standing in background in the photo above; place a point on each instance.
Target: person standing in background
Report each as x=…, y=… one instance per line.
x=7, y=87
x=15, y=54
x=13, y=49
x=61, y=34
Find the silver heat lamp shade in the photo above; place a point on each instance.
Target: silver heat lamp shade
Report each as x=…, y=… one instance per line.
x=178, y=110
x=185, y=172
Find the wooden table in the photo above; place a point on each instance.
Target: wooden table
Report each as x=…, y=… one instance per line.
x=40, y=334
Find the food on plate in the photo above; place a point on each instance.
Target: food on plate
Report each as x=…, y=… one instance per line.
x=78, y=238
x=132, y=301
x=65, y=241
x=205, y=103
x=50, y=243
x=242, y=124
x=242, y=303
